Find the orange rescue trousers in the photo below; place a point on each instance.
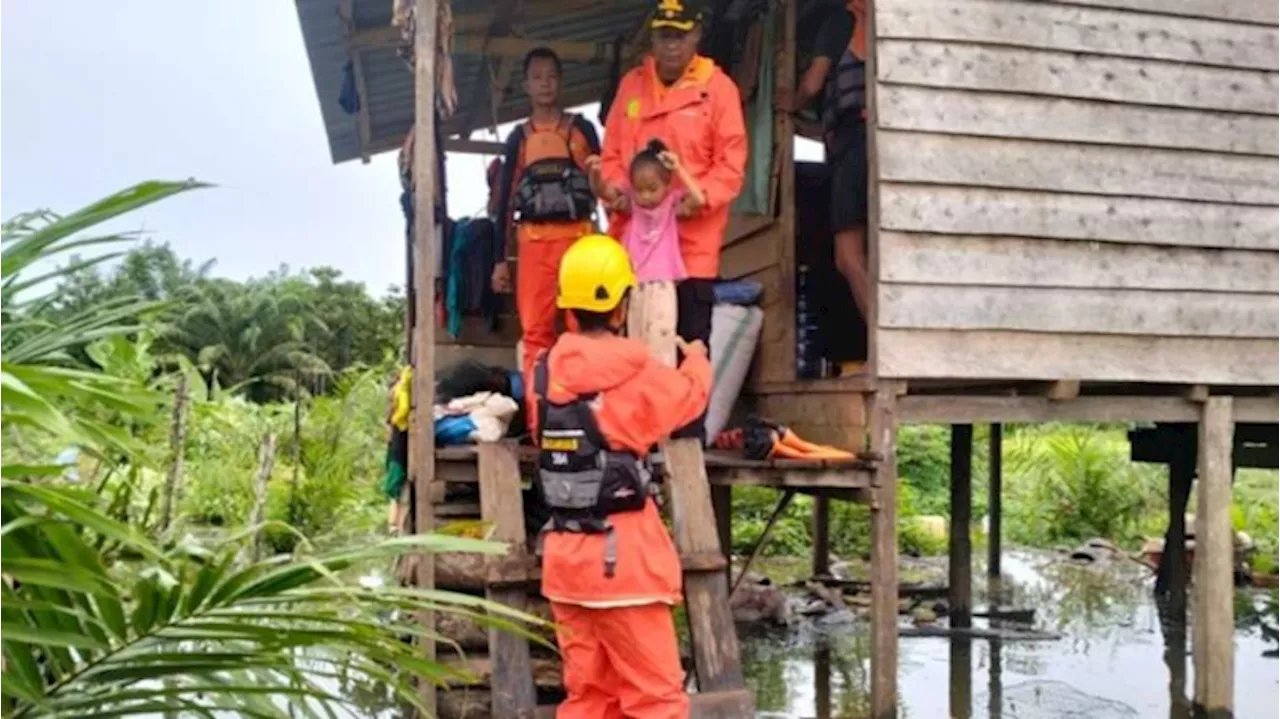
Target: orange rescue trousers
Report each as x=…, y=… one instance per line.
x=536, y=277
x=620, y=662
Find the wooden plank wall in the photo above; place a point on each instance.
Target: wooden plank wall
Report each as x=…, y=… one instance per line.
x=1083, y=190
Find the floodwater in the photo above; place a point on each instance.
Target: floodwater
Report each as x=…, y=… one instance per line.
x=1110, y=662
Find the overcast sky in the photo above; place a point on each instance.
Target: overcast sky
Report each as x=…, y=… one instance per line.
x=97, y=96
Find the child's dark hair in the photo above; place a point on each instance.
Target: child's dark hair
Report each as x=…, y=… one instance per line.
x=543, y=53
x=650, y=155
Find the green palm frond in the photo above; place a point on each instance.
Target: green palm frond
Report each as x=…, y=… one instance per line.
x=200, y=631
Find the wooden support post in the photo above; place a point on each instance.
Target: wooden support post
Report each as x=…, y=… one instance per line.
x=1171, y=575
x=960, y=550
x=821, y=536
x=884, y=557
x=502, y=506
x=995, y=666
x=722, y=503
x=960, y=668
x=995, y=480
x=422, y=442
x=822, y=679
x=1214, y=625
x=715, y=642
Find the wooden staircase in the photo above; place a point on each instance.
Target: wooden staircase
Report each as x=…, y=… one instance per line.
x=510, y=676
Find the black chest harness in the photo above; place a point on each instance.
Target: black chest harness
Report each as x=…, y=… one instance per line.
x=581, y=479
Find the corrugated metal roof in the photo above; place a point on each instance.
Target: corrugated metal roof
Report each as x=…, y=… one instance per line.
x=388, y=81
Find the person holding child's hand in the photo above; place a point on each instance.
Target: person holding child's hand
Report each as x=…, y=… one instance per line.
x=654, y=202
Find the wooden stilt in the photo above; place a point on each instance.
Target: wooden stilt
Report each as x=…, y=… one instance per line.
x=422, y=393
x=821, y=537
x=502, y=506
x=961, y=684
x=960, y=550
x=1174, y=558
x=884, y=557
x=715, y=642
x=822, y=680
x=995, y=667
x=722, y=503
x=1214, y=625
x=995, y=460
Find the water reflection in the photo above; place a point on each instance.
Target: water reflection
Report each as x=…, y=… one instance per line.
x=1121, y=655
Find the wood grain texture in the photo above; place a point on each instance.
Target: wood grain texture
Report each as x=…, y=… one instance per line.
x=1214, y=624
x=1262, y=12
x=1077, y=168
x=1036, y=117
x=1073, y=310
x=951, y=409
x=421, y=467
x=1035, y=262
x=715, y=642
x=1100, y=31
x=753, y=254
x=1103, y=358
x=884, y=557
x=1064, y=74
x=502, y=505
x=987, y=211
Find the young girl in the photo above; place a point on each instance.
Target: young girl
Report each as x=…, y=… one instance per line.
x=652, y=241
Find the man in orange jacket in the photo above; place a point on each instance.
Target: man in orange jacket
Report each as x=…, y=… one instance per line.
x=694, y=108
x=598, y=403
x=551, y=143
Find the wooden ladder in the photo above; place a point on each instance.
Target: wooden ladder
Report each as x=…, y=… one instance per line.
x=511, y=580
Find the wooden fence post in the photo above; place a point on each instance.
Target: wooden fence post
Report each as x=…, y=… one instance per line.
x=177, y=445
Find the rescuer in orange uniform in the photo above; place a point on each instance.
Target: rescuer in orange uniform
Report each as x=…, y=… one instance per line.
x=598, y=403
x=684, y=100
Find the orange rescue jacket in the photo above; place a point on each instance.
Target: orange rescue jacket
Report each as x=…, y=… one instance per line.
x=640, y=402
x=700, y=119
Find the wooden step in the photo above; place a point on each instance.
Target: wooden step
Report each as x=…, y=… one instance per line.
x=476, y=703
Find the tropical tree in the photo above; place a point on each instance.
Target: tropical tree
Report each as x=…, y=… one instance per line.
x=250, y=339
x=105, y=615
x=100, y=620
x=40, y=372
x=149, y=271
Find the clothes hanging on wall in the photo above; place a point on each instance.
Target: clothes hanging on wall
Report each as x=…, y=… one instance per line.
x=755, y=197
x=470, y=267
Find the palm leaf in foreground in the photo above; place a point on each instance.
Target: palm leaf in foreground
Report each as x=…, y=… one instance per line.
x=194, y=631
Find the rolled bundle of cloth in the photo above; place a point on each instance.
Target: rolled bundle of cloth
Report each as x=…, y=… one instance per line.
x=477, y=403
x=479, y=417
x=759, y=438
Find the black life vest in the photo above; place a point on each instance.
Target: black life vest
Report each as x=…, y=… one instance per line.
x=581, y=480
x=845, y=93
x=552, y=188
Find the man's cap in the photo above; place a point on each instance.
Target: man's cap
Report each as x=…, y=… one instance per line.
x=675, y=14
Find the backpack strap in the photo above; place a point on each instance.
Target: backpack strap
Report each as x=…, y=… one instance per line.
x=540, y=382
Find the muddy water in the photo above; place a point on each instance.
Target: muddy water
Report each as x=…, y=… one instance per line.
x=1110, y=663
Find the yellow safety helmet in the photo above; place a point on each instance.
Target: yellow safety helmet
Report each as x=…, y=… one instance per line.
x=595, y=274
